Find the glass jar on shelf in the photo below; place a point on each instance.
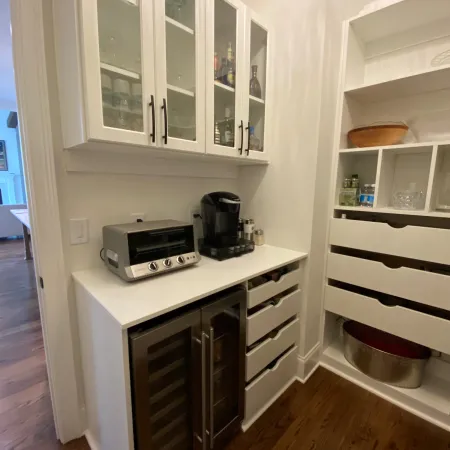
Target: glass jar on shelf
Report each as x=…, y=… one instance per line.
x=409, y=199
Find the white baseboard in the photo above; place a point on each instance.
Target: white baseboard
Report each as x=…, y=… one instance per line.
x=308, y=364
x=248, y=423
x=91, y=440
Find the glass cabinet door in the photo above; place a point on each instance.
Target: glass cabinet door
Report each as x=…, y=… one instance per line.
x=121, y=69
x=257, y=38
x=180, y=74
x=224, y=77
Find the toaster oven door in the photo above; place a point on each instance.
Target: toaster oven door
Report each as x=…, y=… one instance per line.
x=152, y=245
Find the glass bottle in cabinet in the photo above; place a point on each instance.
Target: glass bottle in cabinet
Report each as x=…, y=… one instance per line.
x=257, y=85
x=119, y=26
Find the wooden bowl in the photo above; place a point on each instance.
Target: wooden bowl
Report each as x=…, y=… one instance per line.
x=378, y=135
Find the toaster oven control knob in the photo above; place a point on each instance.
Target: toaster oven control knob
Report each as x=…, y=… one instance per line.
x=153, y=266
x=180, y=260
x=167, y=263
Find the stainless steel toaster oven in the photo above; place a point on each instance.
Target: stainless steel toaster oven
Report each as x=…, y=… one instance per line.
x=143, y=249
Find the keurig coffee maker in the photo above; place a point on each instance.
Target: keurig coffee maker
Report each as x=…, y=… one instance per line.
x=220, y=217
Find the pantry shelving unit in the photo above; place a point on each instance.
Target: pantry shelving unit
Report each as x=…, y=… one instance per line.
x=381, y=253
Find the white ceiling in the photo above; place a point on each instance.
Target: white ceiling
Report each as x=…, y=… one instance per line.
x=7, y=85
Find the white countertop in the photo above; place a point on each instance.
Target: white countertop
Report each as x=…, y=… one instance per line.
x=136, y=302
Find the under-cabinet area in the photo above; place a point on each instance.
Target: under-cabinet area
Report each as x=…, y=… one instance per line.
x=189, y=77
x=189, y=362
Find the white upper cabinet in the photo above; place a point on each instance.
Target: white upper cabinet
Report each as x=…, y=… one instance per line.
x=168, y=74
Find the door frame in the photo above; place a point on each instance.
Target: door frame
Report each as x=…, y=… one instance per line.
x=41, y=160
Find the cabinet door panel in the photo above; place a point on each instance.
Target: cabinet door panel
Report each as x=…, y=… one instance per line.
x=225, y=73
x=256, y=86
x=180, y=74
x=116, y=79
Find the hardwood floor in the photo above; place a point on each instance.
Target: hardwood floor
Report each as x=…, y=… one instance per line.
x=327, y=413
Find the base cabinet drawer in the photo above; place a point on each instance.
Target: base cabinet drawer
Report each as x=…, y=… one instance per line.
x=259, y=357
x=266, y=386
x=268, y=290
x=429, y=288
x=425, y=329
x=272, y=316
x=426, y=244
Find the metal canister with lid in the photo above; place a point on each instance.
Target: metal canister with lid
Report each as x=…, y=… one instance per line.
x=258, y=237
x=249, y=226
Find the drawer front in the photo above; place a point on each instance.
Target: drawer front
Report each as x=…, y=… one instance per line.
x=417, y=327
x=264, y=321
x=267, y=351
x=266, y=386
x=427, y=244
x=271, y=288
x=417, y=285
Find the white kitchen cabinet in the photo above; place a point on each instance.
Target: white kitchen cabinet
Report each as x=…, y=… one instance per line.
x=233, y=33
x=141, y=73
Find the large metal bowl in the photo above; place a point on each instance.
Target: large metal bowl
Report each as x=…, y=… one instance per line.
x=405, y=370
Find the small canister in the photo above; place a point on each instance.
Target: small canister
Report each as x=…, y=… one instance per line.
x=347, y=183
x=249, y=226
x=259, y=237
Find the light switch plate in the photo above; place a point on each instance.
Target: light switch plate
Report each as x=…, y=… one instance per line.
x=79, y=231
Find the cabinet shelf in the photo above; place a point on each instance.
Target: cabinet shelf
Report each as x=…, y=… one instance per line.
x=223, y=86
x=256, y=100
x=413, y=147
x=179, y=26
x=434, y=79
x=432, y=394
x=119, y=71
x=179, y=90
x=390, y=210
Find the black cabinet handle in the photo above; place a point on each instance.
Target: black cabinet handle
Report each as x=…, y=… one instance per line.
x=152, y=105
x=241, y=127
x=164, y=108
x=247, y=150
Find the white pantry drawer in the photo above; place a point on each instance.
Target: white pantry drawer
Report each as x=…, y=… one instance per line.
x=427, y=244
x=266, y=386
x=267, y=290
x=415, y=326
x=429, y=288
x=265, y=320
x=259, y=357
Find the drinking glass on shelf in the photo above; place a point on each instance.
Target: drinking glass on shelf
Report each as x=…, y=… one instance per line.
x=121, y=102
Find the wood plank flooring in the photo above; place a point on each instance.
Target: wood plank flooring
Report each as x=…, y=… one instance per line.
x=327, y=413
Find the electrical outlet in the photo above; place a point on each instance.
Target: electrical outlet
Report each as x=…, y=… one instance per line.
x=79, y=231
x=137, y=217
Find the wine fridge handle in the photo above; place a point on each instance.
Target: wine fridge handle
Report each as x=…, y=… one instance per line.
x=202, y=438
x=211, y=387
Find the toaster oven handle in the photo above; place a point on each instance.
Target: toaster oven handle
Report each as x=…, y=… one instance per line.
x=230, y=202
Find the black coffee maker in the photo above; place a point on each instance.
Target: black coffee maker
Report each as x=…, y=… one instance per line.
x=220, y=217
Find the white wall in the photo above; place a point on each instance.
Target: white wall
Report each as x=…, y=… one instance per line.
x=281, y=196
x=337, y=12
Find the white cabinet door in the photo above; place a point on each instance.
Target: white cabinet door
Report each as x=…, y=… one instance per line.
x=117, y=49
x=180, y=74
x=255, y=94
x=225, y=77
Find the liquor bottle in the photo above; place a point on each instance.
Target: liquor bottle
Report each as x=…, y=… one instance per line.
x=216, y=65
x=255, y=87
x=222, y=77
x=230, y=66
x=229, y=132
x=217, y=139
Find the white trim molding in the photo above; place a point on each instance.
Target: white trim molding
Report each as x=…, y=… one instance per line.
x=31, y=62
x=308, y=364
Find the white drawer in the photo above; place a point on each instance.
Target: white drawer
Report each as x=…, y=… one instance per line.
x=267, y=290
x=417, y=285
x=427, y=244
x=264, y=321
x=415, y=326
x=267, y=351
x=265, y=387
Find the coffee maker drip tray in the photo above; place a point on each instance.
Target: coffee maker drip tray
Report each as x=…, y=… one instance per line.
x=241, y=247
